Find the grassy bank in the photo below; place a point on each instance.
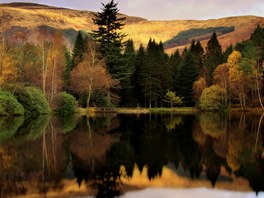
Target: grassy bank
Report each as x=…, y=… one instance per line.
x=136, y=110
x=174, y=109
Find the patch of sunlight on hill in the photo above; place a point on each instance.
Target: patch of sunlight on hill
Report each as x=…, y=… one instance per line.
x=138, y=29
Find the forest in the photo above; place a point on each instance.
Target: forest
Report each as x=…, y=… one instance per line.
x=104, y=69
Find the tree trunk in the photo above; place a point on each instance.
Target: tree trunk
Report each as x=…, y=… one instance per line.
x=89, y=96
x=259, y=97
x=53, y=81
x=259, y=125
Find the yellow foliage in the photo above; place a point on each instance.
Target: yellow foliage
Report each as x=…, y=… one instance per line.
x=198, y=87
x=8, y=71
x=213, y=124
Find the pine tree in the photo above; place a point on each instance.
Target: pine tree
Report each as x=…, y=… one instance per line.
x=174, y=62
x=67, y=70
x=140, y=59
x=79, y=49
x=198, y=52
x=227, y=52
x=164, y=70
x=108, y=37
x=257, y=37
x=213, y=55
x=150, y=76
x=128, y=70
x=188, y=73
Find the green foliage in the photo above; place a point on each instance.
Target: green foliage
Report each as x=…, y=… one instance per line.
x=227, y=52
x=66, y=104
x=79, y=49
x=213, y=124
x=108, y=26
x=102, y=101
x=213, y=55
x=125, y=74
x=174, y=63
x=109, y=37
x=155, y=76
x=9, y=104
x=68, y=123
x=187, y=75
x=171, y=98
x=9, y=126
x=213, y=99
x=34, y=127
x=257, y=38
x=140, y=59
x=68, y=68
x=185, y=37
x=31, y=98
x=197, y=51
x=173, y=122
x=249, y=58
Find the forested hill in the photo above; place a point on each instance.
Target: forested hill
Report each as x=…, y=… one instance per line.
x=25, y=22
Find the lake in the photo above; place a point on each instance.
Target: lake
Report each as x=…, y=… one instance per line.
x=145, y=155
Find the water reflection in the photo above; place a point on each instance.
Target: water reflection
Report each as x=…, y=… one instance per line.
x=110, y=154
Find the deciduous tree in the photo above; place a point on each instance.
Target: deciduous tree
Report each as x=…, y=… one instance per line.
x=90, y=76
x=172, y=99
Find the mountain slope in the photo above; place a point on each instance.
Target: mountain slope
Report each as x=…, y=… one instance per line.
x=25, y=19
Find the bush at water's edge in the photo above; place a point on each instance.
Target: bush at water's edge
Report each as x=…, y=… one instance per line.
x=32, y=99
x=9, y=104
x=66, y=104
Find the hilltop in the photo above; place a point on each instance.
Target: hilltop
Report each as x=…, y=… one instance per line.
x=25, y=21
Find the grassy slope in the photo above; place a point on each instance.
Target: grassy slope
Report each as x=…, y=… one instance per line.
x=140, y=30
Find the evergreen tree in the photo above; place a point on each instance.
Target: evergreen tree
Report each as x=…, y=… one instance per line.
x=227, y=52
x=155, y=76
x=164, y=70
x=150, y=80
x=175, y=62
x=188, y=73
x=197, y=51
x=257, y=38
x=79, y=49
x=213, y=55
x=67, y=70
x=109, y=38
x=140, y=61
x=127, y=94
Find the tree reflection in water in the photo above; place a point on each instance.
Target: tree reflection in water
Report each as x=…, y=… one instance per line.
x=197, y=147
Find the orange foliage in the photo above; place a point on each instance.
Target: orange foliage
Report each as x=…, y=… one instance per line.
x=198, y=87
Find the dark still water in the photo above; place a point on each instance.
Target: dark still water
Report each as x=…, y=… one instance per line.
x=116, y=155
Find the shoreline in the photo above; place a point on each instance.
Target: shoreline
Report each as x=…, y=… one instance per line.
x=140, y=110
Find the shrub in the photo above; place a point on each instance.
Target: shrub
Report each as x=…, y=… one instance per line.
x=9, y=126
x=66, y=104
x=9, y=104
x=213, y=99
x=31, y=98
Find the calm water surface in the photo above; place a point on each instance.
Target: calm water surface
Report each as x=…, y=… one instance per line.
x=117, y=155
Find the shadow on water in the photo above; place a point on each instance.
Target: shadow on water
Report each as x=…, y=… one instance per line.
x=39, y=156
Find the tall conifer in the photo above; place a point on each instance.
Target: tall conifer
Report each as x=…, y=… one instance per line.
x=109, y=37
x=213, y=55
x=188, y=73
x=79, y=49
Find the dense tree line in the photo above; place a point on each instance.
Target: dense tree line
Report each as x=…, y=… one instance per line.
x=105, y=69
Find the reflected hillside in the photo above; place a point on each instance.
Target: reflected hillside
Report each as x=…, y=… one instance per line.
x=107, y=155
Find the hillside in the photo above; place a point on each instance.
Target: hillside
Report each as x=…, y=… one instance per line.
x=24, y=22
